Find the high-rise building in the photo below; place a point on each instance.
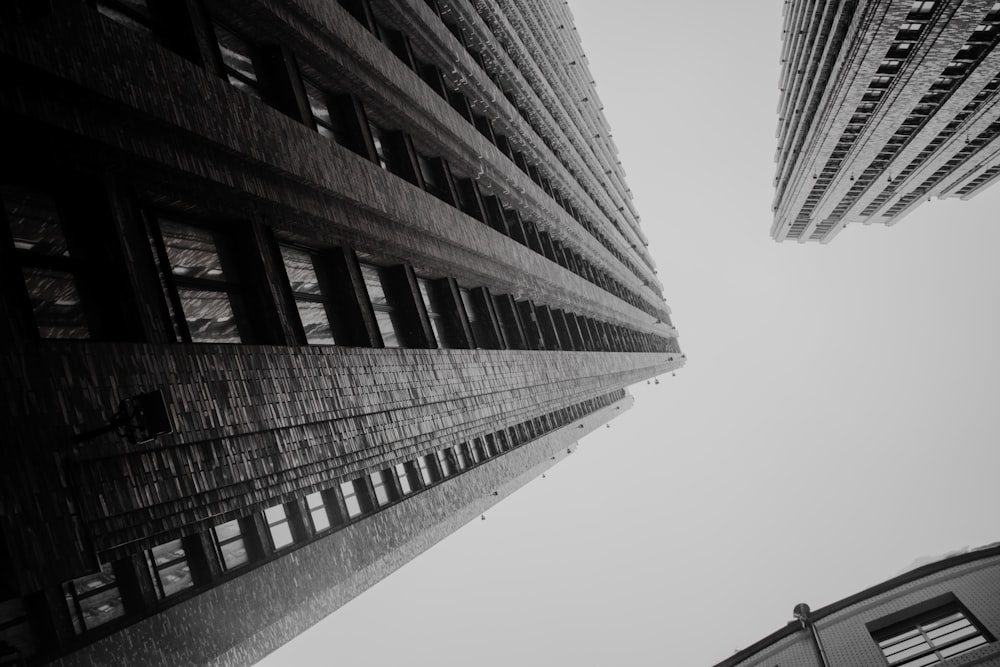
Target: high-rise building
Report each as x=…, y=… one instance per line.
x=944, y=612
x=292, y=289
x=884, y=104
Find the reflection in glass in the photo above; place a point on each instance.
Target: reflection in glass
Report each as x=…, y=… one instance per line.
x=55, y=303
x=387, y=329
x=300, y=270
x=192, y=251
x=373, y=283
x=209, y=316
x=232, y=548
x=315, y=323
x=93, y=600
x=34, y=221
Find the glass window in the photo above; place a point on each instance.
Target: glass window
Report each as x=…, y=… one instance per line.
x=94, y=599
x=317, y=512
x=433, y=311
x=319, y=106
x=382, y=488
x=350, y=492
x=403, y=475
x=381, y=140
x=425, y=464
x=50, y=273
x=207, y=294
x=386, y=315
x=462, y=456
x=238, y=62
x=445, y=462
x=313, y=306
x=278, y=526
x=230, y=545
x=168, y=568
x=133, y=13
x=930, y=638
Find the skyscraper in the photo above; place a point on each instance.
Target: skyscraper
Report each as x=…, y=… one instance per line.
x=884, y=104
x=292, y=290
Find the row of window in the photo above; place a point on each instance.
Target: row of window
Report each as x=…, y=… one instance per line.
x=212, y=290
x=964, y=61
x=249, y=65
x=982, y=40
x=135, y=586
x=495, y=73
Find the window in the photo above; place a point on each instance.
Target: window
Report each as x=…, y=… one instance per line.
x=229, y=544
x=427, y=473
x=278, y=526
x=205, y=294
x=350, y=492
x=317, y=512
x=319, y=105
x=386, y=315
x=238, y=61
x=462, y=456
x=51, y=275
x=446, y=464
x=93, y=600
x=433, y=312
x=168, y=568
x=381, y=140
x=382, y=488
x=133, y=13
x=315, y=309
x=931, y=637
x=403, y=475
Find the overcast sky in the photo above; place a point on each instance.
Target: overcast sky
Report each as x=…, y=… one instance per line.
x=836, y=420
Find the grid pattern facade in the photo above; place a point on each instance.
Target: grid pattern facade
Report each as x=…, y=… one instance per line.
x=883, y=104
x=379, y=259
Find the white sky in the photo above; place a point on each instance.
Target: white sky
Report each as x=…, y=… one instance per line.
x=836, y=419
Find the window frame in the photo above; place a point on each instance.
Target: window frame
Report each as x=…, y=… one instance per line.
x=925, y=618
x=155, y=569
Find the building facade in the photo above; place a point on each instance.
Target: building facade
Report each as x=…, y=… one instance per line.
x=292, y=289
x=944, y=613
x=884, y=104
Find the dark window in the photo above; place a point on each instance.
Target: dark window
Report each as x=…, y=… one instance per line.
x=931, y=637
x=319, y=106
x=238, y=61
x=434, y=312
x=386, y=314
x=203, y=289
x=446, y=462
x=94, y=600
x=51, y=275
x=428, y=473
x=316, y=310
x=135, y=14
x=168, y=568
x=230, y=545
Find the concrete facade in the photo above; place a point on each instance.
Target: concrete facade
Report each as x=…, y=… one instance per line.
x=884, y=104
x=379, y=259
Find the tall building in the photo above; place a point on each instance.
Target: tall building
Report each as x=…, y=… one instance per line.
x=292, y=289
x=884, y=104
x=945, y=612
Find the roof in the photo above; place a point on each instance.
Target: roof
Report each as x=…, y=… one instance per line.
x=980, y=553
